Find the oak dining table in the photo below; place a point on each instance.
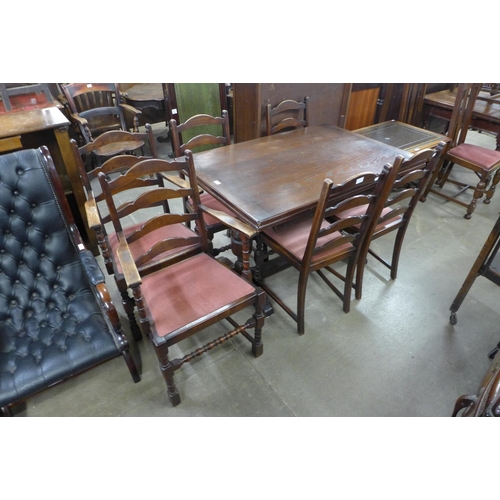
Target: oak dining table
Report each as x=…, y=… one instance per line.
x=274, y=179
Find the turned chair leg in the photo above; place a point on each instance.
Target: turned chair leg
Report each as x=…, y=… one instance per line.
x=167, y=370
x=478, y=193
x=491, y=191
x=129, y=307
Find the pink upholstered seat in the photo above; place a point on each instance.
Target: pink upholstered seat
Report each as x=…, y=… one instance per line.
x=187, y=299
x=209, y=201
x=485, y=158
x=294, y=239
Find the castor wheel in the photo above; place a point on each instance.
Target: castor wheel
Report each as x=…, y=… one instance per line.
x=453, y=318
x=493, y=353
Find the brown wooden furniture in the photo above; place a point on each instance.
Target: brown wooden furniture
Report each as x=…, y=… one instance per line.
x=273, y=179
x=485, y=115
x=148, y=98
x=412, y=103
x=403, y=136
x=395, y=211
x=56, y=319
x=487, y=264
x=486, y=401
x=96, y=108
x=191, y=291
x=47, y=126
x=314, y=245
x=201, y=132
x=485, y=163
x=327, y=104
x=287, y=115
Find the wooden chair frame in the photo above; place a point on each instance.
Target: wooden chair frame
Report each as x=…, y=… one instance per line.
x=290, y=109
x=184, y=250
x=336, y=242
x=99, y=102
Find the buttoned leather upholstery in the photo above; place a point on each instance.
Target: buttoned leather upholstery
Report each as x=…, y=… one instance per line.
x=51, y=326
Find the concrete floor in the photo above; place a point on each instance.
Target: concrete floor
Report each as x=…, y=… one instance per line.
x=394, y=354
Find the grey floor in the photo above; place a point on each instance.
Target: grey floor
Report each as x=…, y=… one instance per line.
x=394, y=354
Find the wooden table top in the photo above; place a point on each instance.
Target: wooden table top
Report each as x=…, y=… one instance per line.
x=403, y=136
x=272, y=179
x=33, y=120
x=488, y=110
x=144, y=92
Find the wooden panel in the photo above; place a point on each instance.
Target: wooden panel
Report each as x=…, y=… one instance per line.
x=10, y=144
x=362, y=108
x=327, y=104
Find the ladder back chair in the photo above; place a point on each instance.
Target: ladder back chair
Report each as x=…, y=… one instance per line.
x=485, y=163
x=314, y=245
x=397, y=210
x=198, y=128
x=191, y=290
x=287, y=115
x=56, y=316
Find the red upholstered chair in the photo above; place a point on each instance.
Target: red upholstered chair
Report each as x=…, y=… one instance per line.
x=191, y=290
x=198, y=133
x=287, y=115
x=314, y=245
x=485, y=163
x=397, y=209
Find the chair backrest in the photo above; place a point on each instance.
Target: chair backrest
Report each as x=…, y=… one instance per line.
x=365, y=189
x=116, y=143
x=139, y=176
x=99, y=104
x=398, y=207
x=462, y=112
x=205, y=131
x=412, y=103
x=288, y=114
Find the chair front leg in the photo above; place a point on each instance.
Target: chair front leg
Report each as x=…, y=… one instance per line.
x=167, y=370
x=494, y=182
x=259, y=317
x=301, y=301
x=478, y=193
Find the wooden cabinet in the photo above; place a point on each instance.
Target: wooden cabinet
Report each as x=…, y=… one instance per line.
x=327, y=104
